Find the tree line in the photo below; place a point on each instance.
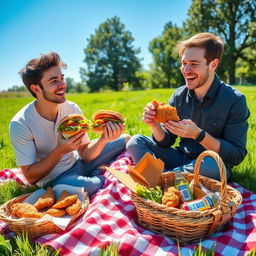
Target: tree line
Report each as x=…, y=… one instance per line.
x=112, y=62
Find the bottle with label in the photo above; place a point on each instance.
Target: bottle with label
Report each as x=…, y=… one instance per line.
x=206, y=202
x=182, y=185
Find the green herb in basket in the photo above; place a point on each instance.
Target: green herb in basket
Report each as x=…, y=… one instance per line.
x=153, y=194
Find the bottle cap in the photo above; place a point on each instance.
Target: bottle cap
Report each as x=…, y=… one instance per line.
x=178, y=174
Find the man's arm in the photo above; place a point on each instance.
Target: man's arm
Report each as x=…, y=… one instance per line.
x=40, y=169
x=90, y=151
x=186, y=128
x=232, y=145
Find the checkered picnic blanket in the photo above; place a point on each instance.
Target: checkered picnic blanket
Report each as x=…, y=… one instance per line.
x=111, y=217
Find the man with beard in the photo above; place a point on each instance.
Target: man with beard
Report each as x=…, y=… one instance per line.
x=43, y=155
x=213, y=115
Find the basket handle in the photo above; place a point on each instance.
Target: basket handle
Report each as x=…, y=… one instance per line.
x=222, y=170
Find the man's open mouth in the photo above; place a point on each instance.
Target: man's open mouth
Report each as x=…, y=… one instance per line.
x=60, y=93
x=190, y=78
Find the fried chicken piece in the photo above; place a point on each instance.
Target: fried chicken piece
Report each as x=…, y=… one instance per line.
x=165, y=112
x=171, y=197
x=74, y=208
x=65, y=199
x=56, y=212
x=25, y=210
x=46, y=200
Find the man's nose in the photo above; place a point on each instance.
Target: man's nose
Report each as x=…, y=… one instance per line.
x=62, y=84
x=187, y=68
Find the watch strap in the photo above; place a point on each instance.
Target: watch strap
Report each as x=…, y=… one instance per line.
x=200, y=136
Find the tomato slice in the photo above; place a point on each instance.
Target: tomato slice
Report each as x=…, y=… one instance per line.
x=102, y=116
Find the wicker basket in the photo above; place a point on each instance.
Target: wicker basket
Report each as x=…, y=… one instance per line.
x=183, y=226
x=33, y=228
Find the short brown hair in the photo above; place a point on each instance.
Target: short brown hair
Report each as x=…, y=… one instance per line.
x=32, y=73
x=212, y=44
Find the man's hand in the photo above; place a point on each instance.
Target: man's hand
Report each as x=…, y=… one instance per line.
x=185, y=128
x=112, y=131
x=149, y=115
x=71, y=144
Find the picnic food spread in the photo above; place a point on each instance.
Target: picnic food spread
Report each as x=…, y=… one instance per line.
x=180, y=195
x=66, y=203
x=164, y=112
x=172, y=197
x=72, y=124
x=102, y=117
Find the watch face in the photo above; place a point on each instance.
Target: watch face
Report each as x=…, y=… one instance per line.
x=200, y=136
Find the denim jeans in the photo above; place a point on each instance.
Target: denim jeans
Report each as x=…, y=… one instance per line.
x=174, y=160
x=87, y=175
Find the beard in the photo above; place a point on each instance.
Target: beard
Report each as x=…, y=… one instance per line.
x=192, y=85
x=52, y=98
x=203, y=79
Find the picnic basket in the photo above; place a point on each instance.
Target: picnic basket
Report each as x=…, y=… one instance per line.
x=31, y=226
x=187, y=227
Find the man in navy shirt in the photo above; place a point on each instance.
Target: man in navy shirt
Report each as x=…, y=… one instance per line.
x=213, y=115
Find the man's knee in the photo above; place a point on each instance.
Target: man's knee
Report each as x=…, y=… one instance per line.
x=126, y=137
x=134, y=141
x=210, y=168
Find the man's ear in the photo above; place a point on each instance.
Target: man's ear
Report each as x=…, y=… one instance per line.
x=214, y=63
x=35, y=88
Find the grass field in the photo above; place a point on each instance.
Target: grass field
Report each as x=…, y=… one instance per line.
x=130, y=104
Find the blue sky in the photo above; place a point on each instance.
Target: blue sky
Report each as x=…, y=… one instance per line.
x=29, y=28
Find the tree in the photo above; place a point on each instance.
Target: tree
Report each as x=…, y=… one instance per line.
x=246, y=71
x=110, y=57
x=165, y=57
x=233, y=20
x=16, y=88
x=70, y=84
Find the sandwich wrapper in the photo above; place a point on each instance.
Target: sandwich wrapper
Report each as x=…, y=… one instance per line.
x=147, y=173
x=61, y=222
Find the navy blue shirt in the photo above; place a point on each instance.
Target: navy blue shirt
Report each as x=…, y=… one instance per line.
x=223, y=113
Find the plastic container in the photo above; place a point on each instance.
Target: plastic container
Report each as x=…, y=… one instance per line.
x=201, y=204
x=182, y=185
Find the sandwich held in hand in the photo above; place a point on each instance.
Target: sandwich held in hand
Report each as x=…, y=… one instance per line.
x=72, y=124
x=164, y=112
x=102, y=117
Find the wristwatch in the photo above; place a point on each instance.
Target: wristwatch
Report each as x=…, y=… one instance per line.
x=200, y=136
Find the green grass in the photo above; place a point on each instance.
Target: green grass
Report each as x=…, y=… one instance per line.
x=21, y=246
x=131, y=105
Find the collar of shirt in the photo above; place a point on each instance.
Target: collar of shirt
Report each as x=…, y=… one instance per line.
x=212, y=90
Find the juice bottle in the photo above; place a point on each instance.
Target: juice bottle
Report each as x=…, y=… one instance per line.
x=201, y=204
x=182, y=185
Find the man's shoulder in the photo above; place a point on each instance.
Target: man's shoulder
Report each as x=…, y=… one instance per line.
x=180, y=90
x=24, y=112
x=70, y=107
x=68, y=104
x=230, y=91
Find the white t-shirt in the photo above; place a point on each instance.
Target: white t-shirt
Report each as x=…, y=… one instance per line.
x=33, y=138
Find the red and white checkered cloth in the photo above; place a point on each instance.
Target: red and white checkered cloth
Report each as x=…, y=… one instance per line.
x=111, y=217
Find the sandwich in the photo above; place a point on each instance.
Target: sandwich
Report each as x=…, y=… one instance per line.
x=102, y=117
x=164, y=112
x=72, y=124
